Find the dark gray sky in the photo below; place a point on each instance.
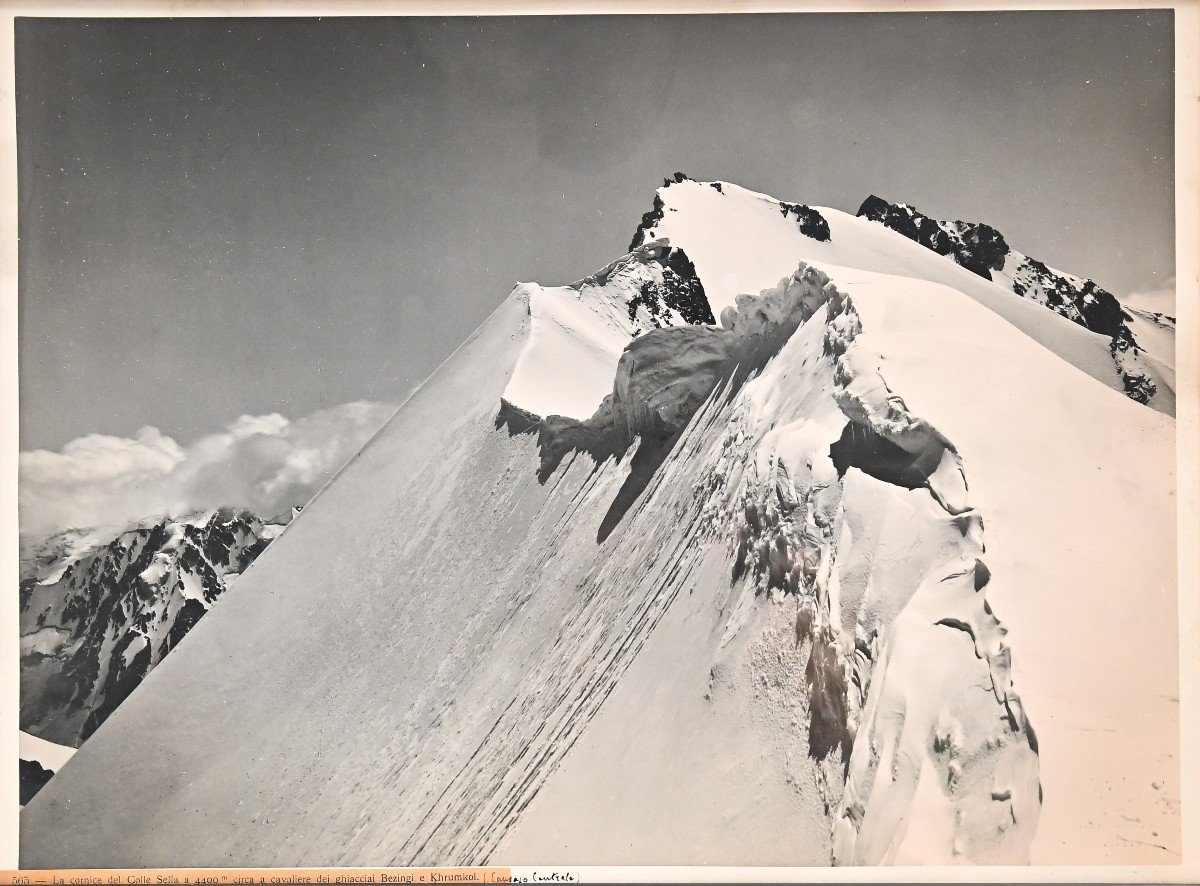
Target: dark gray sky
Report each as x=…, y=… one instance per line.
x=226, y=217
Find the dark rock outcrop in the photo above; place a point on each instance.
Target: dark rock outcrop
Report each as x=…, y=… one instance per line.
x=811, y=223
x=981, y=249
x=95, y=623
x=33, y=778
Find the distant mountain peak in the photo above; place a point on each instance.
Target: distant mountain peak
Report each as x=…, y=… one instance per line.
x=99, y=611
x=809, y=220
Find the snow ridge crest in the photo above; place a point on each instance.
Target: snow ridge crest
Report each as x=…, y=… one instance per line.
x=777, y=376
x=809, y=220
x=982, y=249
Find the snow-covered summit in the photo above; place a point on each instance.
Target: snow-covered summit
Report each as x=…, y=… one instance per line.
x=726, y=240
x=838, y=560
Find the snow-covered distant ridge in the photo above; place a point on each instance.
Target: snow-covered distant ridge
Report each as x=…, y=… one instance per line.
x=40, y=759
x=982, y=249
x=98, y=612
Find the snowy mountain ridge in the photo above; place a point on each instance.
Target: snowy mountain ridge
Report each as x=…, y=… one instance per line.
x=659, y=386
x=819, y=560
x=586, y=325
x=564, y=317
x=982, y=250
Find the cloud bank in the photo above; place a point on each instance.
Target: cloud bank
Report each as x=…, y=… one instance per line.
x=1159, y=299
x=266, y=463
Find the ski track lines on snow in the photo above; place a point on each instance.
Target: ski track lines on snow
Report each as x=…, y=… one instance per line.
x=340, y=593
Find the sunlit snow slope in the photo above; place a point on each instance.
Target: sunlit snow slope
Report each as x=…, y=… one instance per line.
x=879, y=569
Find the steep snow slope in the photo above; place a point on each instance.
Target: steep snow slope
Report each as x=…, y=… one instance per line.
x=1107, y=731
x=774, y=565
x=1111, y=784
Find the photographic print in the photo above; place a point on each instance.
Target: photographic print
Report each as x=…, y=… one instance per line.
x=642, y=439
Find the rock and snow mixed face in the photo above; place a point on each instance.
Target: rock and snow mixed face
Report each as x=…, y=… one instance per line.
x=822, y=561
x=98, y=614
x=586, y=326
x=982, y=250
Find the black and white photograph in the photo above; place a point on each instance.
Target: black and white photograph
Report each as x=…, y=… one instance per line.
x=682, y=443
